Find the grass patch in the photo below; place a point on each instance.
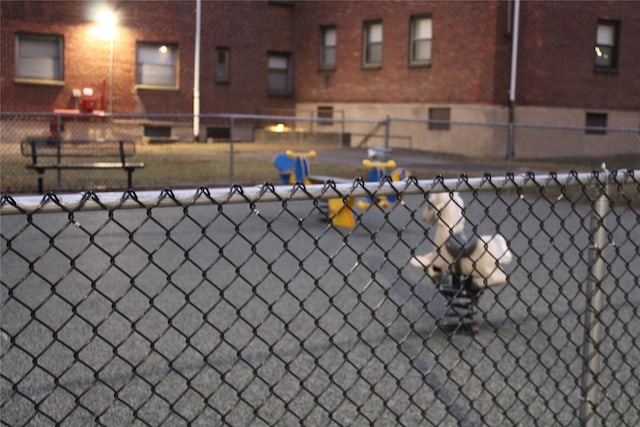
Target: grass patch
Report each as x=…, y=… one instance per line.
x=216, y=165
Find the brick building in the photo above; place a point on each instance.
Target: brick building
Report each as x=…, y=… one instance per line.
x=577, y=63
x=153, y=55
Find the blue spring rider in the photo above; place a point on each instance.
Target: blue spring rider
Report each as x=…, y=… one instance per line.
x=294, y=167
x=378, y=171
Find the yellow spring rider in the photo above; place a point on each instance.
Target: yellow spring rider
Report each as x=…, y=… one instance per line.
x=294, y=168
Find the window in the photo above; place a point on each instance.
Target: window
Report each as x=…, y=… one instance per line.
x=325, y=112
x=153, y=131
x=421, y=33
x=596, y=124
x=157, y=65
x=279, y=74
x=39, y=57
x=606, y=50
x=439, y=118
x=222, y=65
x=328, y=48
x=373, y=44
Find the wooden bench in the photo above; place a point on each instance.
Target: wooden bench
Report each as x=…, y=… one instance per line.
x=93, y=154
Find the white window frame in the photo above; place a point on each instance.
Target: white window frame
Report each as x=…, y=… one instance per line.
x=373, y=37
x=156, y=65
x=328, y=41
x=39, y=58
x=421, y=40
x=279, y=74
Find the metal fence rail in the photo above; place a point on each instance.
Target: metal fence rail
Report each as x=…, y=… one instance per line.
x=247, y=306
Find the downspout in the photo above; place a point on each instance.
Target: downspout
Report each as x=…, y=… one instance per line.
x=196, y=77
x=512, y=79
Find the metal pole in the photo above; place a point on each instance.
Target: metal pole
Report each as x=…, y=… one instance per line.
x=512, y=81
x=149, y=199
x=514, y=52
x=510, y=136
x=387, y=126
x=196, y=77
x=595, y=301
x=58, y=148
x=111, y=60
x=231, y=171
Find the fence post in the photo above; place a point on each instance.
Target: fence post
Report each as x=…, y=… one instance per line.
x=231, y=160
x=58, y=142
x=510, y=141
x=387, y=126
x=595, y=299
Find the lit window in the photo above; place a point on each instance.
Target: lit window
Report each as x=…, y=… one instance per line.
x=606, y=49
x=373, y=44
x=421, y=34
x=439, y=118
x=596, y=123
x=39, y=57
x=279, y=74
x=156, y=65
x=222, y=65
x=328, y=48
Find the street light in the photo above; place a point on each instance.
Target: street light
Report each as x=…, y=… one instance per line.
x=107, y=21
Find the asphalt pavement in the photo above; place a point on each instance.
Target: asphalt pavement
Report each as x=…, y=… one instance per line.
x=265, y=314
x=417, y=160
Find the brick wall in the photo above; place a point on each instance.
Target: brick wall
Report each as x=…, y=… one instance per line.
x=468, y=53
x=556, y=57
x=471, y=54
x=250, y=29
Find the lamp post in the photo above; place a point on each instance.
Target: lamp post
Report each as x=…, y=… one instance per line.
x=107, y=20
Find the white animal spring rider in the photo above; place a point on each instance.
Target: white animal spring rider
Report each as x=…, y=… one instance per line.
x=460, y=266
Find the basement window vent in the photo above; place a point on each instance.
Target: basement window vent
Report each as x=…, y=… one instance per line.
x=155, y=131
x=596, y=123
x=439, y=118
x=325, y=112
x=219, y=133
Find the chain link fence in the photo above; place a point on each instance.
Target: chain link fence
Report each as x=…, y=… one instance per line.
x=216, y=162
x=247, y=306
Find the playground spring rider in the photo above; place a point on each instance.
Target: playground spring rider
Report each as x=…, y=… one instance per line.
x=296, y=162
x=377, y=171
x=294, y=167
x=461, y=267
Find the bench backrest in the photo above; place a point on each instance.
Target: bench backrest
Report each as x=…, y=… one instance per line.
x=36, y=148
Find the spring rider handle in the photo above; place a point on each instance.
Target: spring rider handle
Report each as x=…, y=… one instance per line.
x=299, y=155
x=380, y=167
